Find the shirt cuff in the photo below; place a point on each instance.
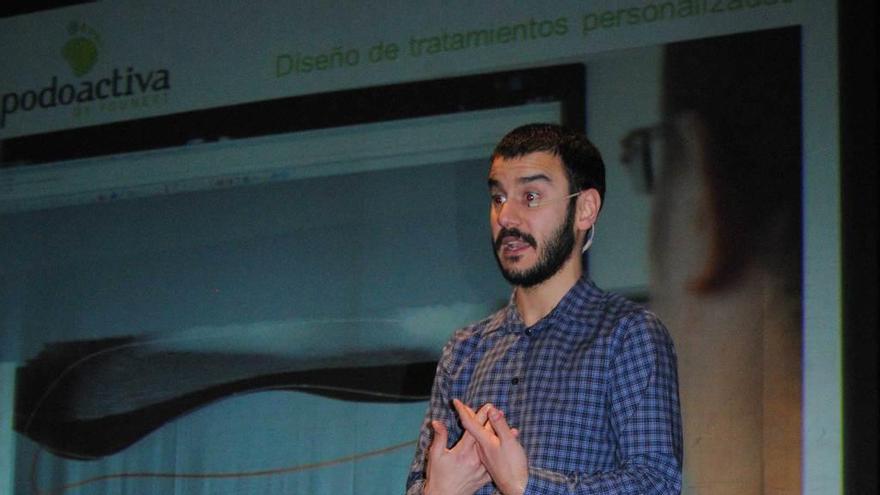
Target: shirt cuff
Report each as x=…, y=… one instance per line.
x=543, y=481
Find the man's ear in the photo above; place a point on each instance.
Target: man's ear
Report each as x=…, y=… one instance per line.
x=588, y=204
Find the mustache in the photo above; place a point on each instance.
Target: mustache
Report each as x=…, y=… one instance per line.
x=514, y=233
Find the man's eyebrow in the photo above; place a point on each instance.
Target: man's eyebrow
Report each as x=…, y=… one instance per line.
x=522, y=180
x=534, y=178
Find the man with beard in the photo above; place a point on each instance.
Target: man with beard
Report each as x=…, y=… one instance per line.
x=575, y=389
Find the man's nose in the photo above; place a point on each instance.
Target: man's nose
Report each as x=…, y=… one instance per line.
x=507, y=214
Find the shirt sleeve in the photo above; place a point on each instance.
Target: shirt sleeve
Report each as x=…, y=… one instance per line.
x=645, y=416
x=438, y=409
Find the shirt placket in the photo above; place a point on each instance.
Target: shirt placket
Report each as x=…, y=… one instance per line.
x=517, y=373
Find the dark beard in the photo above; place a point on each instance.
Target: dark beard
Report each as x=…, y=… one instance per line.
x=555, y=253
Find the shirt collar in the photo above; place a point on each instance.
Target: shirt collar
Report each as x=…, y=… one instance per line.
x=571, y=303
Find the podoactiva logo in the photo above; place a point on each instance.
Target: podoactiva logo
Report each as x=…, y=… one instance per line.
x=120, y=88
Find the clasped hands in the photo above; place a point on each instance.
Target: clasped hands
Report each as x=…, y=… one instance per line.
x=487, y=451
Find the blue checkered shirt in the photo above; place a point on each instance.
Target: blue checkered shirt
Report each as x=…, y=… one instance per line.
x=592, y=387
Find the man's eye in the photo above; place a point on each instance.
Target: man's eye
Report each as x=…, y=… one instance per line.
x=498, y=199
x=533, y=199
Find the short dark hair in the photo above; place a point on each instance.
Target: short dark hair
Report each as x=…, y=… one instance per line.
x=582, y=161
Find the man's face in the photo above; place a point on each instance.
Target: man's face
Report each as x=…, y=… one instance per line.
x=531, y=244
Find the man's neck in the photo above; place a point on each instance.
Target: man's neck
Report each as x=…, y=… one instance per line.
x=534, y=303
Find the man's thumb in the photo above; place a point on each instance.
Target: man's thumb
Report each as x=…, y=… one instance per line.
x=440, y=435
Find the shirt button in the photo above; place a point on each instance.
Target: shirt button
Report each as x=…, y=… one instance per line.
x=514, y=380
x=528, y=332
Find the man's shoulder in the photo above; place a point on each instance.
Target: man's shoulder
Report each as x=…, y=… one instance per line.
x=589, y=301
x=624, y=307
x=636, y=324
x=615, y=313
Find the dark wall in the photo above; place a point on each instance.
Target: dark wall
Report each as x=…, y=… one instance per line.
x=858, y=102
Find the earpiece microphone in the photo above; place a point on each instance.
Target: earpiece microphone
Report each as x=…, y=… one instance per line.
x=589, y=242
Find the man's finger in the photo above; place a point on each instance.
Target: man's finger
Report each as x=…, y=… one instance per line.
x=483, y=414
x=465, y=413
x=482, y=417
x=499, y=424
x=470, y=422
x=466, y=441
x=438, y=443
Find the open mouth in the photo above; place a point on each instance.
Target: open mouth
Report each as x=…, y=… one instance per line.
x=512, y=242
x=513, y=245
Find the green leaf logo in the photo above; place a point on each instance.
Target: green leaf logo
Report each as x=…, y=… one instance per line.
x=81, y=50
x=81, y=54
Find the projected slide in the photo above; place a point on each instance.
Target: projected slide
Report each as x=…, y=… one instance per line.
x=252, y=323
